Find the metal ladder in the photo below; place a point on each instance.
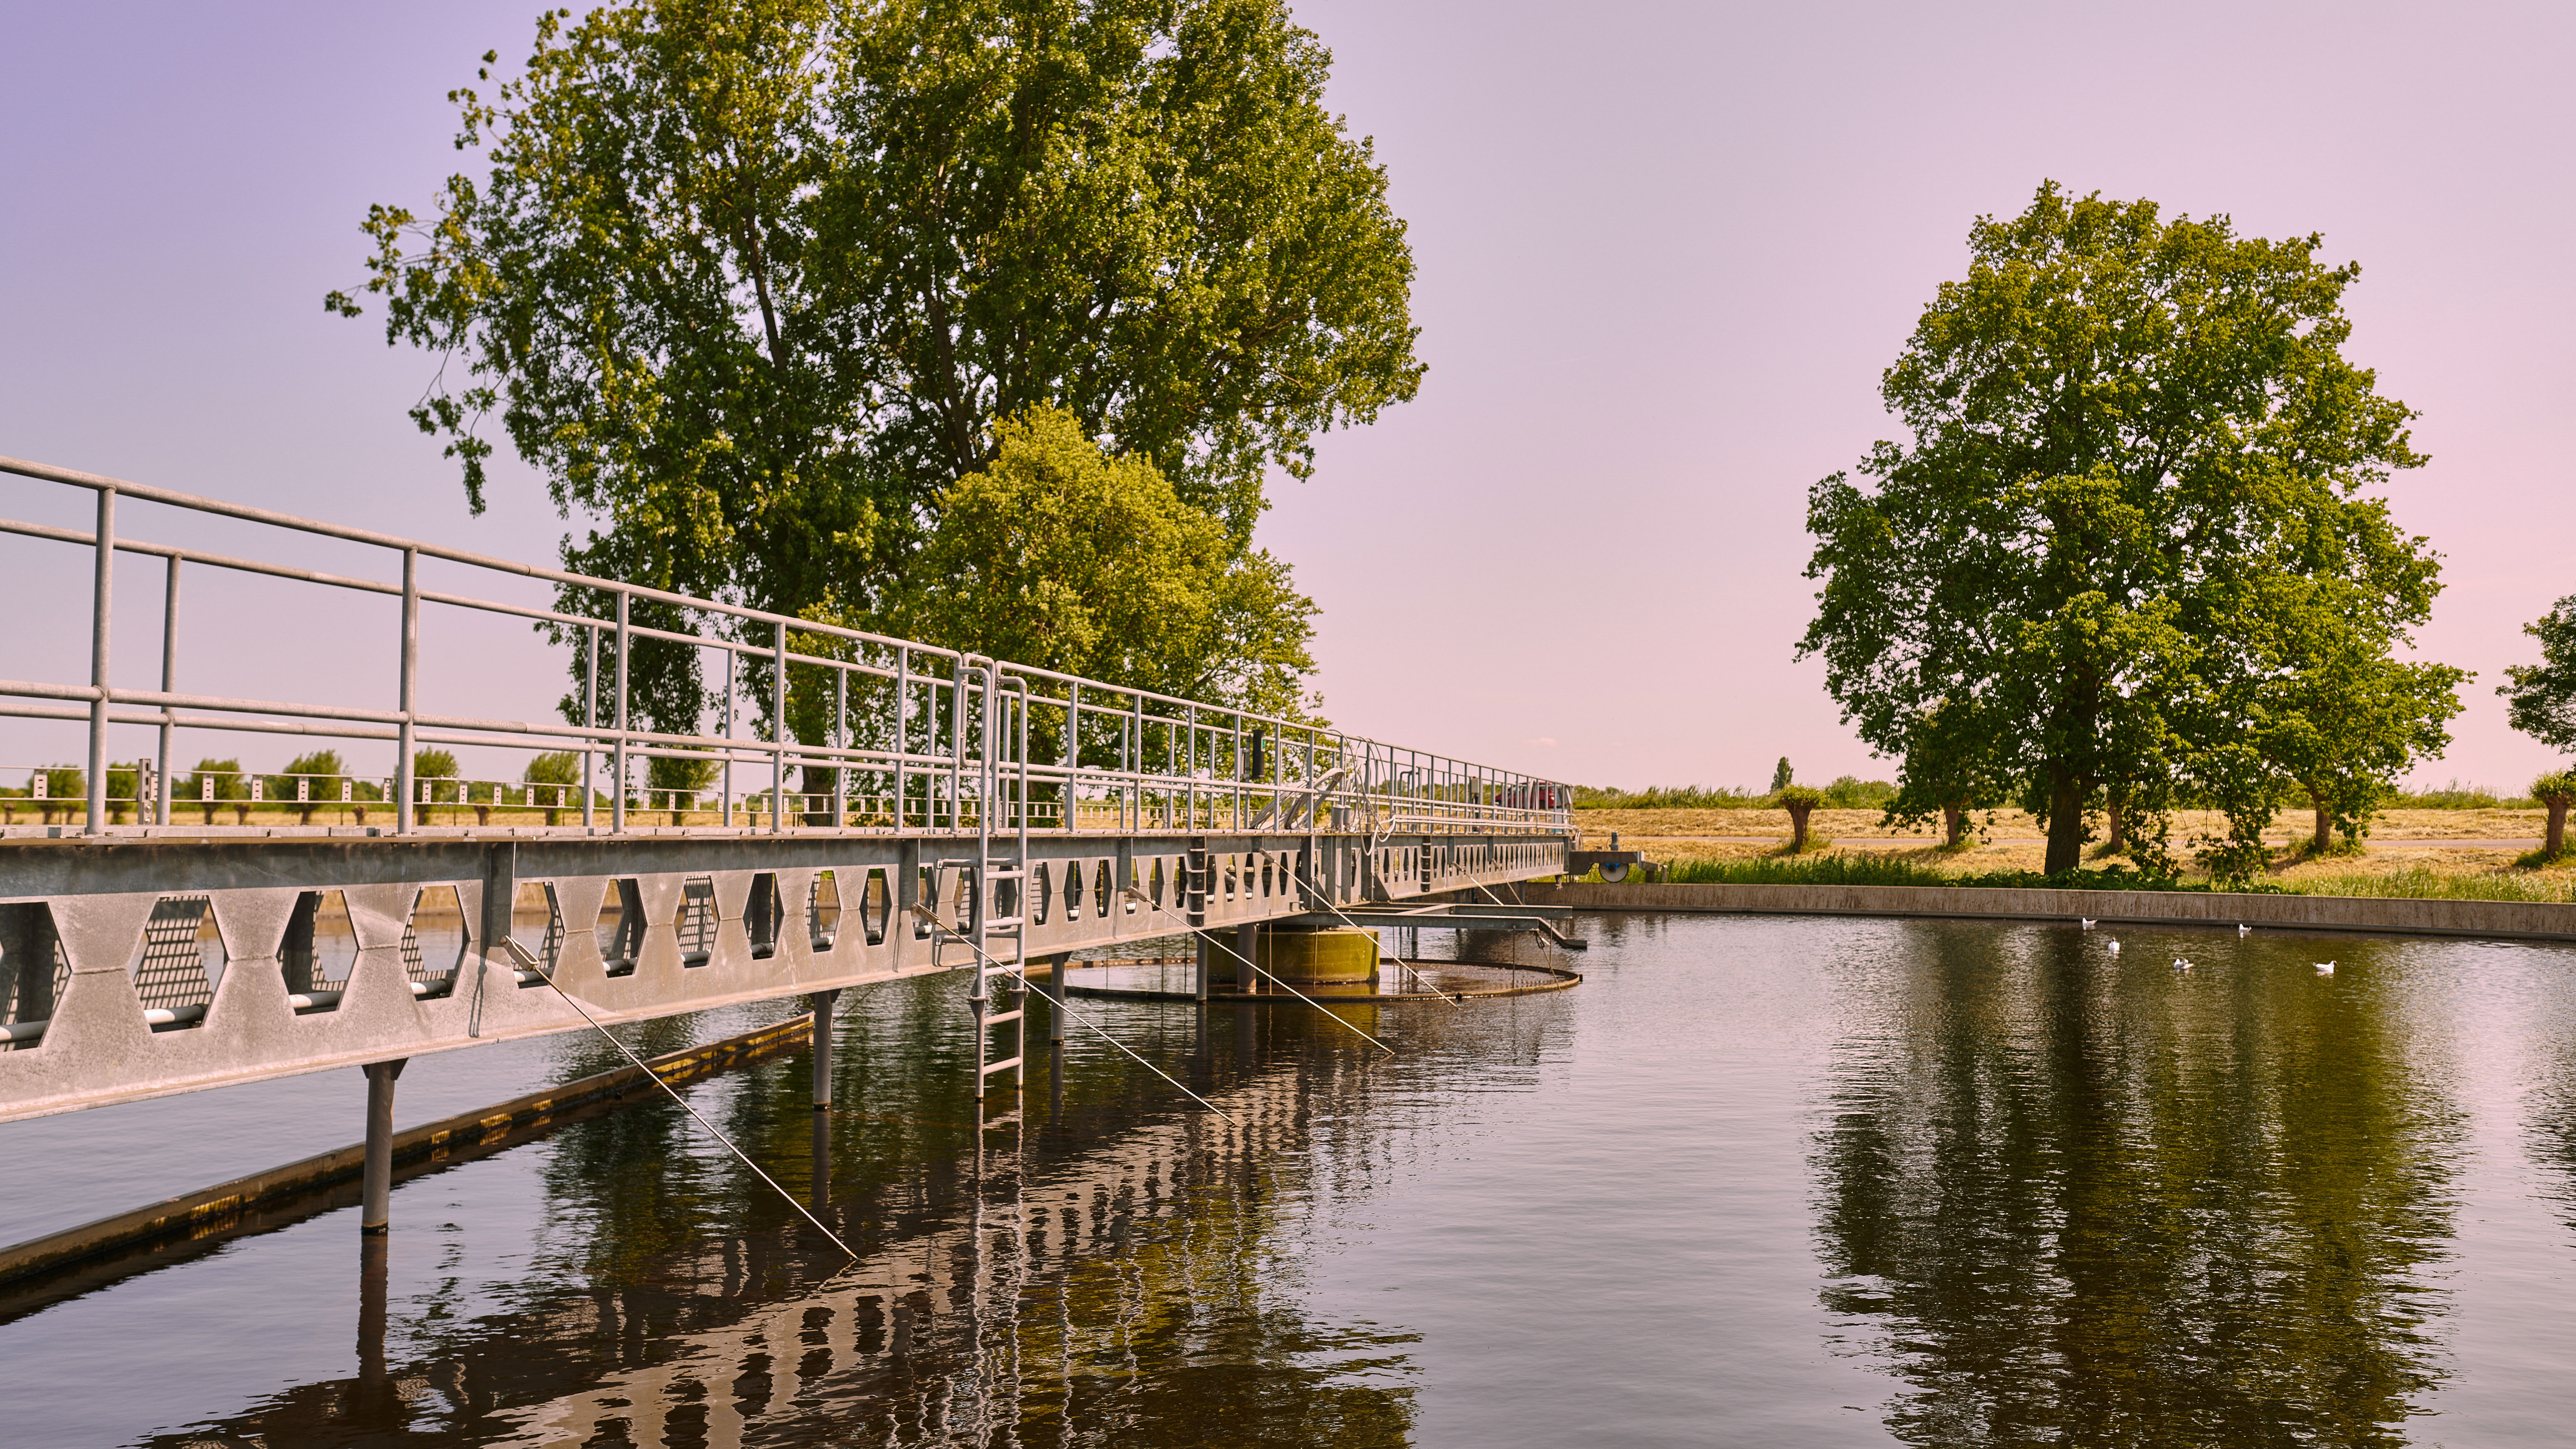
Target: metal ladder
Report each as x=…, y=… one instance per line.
x=998, y=904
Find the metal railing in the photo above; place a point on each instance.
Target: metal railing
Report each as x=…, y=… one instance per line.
x=906, y=736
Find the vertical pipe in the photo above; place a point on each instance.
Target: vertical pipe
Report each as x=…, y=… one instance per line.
x=778, y=736
x=840, y=741
x=589, y=722
x=102, y=595
x=902, y=732
x=821, y=1002
x=731, y=654
x=376, y=1213
x=617, y=770
x=403, y=784
x=1072, y=748
x=169, y=685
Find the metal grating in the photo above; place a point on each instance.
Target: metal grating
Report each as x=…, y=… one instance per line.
x=174, y=969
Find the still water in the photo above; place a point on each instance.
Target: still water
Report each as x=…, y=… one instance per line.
x=1757, y=1181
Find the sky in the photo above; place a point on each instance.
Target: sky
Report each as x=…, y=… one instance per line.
x=1664, y=252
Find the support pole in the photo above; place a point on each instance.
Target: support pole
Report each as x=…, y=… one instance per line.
x=375, y=1214
x=821, y=1002
x=404, y=786
x=169, y=685
x=102, y=597
x=617, y=770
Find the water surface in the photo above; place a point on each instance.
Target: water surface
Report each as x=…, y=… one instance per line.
x=1758, y=1180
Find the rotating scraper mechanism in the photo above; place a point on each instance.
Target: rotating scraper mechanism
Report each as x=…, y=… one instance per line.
x=1613, y=863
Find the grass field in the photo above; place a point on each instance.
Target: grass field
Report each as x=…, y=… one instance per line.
x=1744, y=844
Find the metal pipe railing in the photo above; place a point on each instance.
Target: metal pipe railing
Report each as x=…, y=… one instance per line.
x=1220, y=767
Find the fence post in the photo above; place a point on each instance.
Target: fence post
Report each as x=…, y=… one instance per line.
x=778, y=736
x=617, y=780
x=101, y=598
x=403, y=777
x=169, y=685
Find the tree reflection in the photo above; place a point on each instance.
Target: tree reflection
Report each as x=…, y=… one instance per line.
x=1110, y=1275
x=2084, y=1199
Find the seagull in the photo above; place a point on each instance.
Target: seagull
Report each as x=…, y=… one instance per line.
x=2181, y=964
x=2087, y=920
x=2325, y=968
x=2115, y=948
x=2243, y=930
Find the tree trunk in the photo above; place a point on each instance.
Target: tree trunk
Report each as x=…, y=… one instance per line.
x=1954, y=824
x=2118, y=825
x=1798, y=813
x=2325, y=830
x=2557, y=840
x=2065, y=826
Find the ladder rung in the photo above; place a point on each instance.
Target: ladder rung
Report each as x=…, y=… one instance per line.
x=997, y=1018
x=1002, y=923
x=1001, y=1066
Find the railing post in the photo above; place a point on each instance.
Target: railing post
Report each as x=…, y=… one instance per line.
x=403, y=777
x=617, y=782
x=902, y=731
x=589, y=722
x=778, y=736
x=169, y=685
x=840, y=741
x=102, y=593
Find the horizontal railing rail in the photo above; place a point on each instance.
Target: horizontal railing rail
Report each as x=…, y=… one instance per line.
x=903, y=735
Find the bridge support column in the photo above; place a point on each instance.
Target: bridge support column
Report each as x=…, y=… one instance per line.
x=375, y=1213
x=1247, y=945
x=822, y=1002
x=1199, y=944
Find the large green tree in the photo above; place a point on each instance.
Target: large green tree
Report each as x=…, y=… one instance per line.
x=2540, y=699
x=2128, y=435
x=751, y=282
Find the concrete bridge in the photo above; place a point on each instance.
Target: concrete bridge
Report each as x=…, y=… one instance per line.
x=919, y=810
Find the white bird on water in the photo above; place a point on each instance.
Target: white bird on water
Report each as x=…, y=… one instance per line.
x=2243, y=930
x=2087, y=920
x=2115, y=948
x=2181, y=964
x=2325, y=968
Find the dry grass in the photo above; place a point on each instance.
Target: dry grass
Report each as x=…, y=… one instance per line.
x=2015, y=844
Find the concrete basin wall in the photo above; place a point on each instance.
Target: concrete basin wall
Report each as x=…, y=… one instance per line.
x=2525, y=920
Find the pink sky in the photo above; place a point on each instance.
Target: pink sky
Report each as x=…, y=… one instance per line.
x=1664, y=252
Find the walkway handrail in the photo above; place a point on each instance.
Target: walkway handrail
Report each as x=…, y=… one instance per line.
x=1172, y=762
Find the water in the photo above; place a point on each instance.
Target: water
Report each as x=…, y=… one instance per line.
x=1757, y=1180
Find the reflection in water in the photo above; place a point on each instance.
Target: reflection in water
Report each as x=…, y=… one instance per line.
x=2079, y=1196
x=1099, y=1274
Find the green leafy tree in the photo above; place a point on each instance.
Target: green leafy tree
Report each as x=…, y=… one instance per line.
x=679, y=780
x=552, y=778
x=2556, y=791
x=216, y=782
x=313, y=772
x=1061, y=556
x=756, y=281
x=1781, y=775
x=2540, y=699
x=434, y=781
x=1948, y=770
x=1800, y=801
x=2124, y=431
x=2327, y=708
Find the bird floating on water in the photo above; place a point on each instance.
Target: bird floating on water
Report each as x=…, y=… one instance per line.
x=2115, y=948
x=2243, y=930
x=2181, y=964
x=2325, y=968
x=2087, y=920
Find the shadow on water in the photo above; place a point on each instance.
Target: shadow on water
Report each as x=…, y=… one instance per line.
x=2072, y=1196
x=1110, y=1270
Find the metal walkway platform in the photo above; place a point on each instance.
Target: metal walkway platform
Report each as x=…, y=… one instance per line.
x=925, y=810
